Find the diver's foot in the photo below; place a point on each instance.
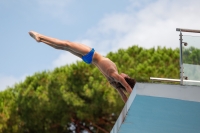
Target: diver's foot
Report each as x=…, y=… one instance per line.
x=34, y=35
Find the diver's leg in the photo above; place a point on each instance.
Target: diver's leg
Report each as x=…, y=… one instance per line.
x=78, y=48
x=62, y=48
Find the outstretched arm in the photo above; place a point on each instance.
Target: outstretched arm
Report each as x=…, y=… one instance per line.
x=119, y=90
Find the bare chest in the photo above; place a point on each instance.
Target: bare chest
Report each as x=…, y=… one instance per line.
x=106, y=66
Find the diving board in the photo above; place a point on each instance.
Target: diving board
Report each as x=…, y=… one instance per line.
x=160, y=108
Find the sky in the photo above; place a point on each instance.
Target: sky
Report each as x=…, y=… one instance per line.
x=105, y=25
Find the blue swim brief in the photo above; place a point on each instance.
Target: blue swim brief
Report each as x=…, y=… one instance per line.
x=88, y=57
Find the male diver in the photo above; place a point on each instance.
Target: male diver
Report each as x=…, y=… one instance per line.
x=121, y=82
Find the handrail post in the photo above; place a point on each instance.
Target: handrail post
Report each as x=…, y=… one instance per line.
x=181, y=59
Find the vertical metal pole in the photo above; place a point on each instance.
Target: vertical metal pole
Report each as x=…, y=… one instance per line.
x=181, y=59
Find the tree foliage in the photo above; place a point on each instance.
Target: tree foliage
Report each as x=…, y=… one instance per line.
x=191, y=55
x=191, y=64
x=77, y=96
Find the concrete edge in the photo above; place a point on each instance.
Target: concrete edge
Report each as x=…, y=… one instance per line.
x=181, y=92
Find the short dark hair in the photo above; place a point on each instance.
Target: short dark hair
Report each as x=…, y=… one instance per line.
x=129, y=80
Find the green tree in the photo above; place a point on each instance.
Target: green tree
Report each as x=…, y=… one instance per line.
x=78, y=95
x=191, y=55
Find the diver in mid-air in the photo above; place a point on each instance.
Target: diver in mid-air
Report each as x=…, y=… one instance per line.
x=121, y=82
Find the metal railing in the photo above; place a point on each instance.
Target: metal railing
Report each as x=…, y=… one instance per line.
x=172, y=80
x=188, y=69
x=187, y=30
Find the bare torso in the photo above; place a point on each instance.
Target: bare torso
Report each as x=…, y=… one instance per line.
x=105, y=65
